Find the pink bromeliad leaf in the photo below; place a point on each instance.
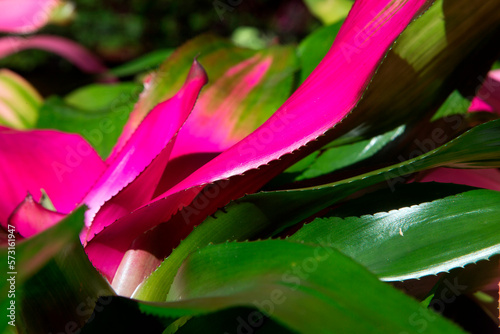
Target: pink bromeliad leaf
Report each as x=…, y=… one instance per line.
x=488, y=97
x=31, y=218
x=73, y=52
x=25, y=16
x=140, y=163
x=323, y=100
x=223, y=115
x=213, y=112
x=480, y=178
x=64, y=165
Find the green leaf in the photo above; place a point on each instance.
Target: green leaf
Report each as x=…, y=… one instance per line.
x=338, y=157
x=145, y=63
x=61, y=297
x=213, y=230
x=456, y=104
x=306, y=288
x=314, y=48
x=405, y=195
x=30, y=255
x=104, y=97
x=248, y=37
x=416, y=241
x=329, y=11
x=19, y=101
x=479, y=147
x=97, y=112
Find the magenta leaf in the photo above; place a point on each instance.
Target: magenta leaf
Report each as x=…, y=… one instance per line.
x=235, y=103
x=488, y=96
x=165, y=83
x=31, y=218
x=73, y=52
x=139, y=166
x=325, y=98
x=64, y=165
x=480, y=178
x=25, y=16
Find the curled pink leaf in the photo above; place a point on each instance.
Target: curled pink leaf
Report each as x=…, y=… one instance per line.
x=73, y=52
x=139, y=166
x=31, y=218
x=64, y=165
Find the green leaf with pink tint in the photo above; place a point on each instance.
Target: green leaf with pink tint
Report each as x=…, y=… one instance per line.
x=19, y=101
x=240, y=82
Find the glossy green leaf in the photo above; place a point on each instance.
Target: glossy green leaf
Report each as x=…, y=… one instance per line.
x=283, y=279
x=314, y=48
x=405, y=195
x=329, y=11
x=142, y=64
x=19, y=101
x=335, y=158
x=56, y=286
x=30, y=255
x=61, y=297
x=479, y=147
x=213, y=230
x=416, y=241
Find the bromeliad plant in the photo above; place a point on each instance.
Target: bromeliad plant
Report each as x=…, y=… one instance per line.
x=220, y=203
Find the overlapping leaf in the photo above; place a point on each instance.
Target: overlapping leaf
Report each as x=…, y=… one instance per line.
x=33, y=254
x=479, y=147
x=73, y=52
x=64, y=165
x=19, y=101
x=417, y=241
x=282, y=279
x=446, y=43
x=332, y=100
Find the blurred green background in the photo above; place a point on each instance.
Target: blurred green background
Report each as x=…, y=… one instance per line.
x=119, y=31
